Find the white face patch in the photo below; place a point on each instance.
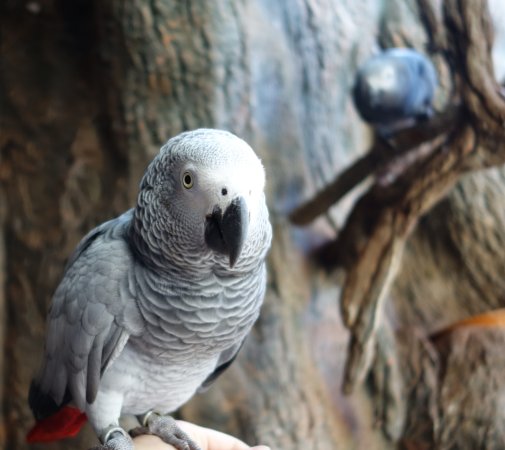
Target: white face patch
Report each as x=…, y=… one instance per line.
x=383, y=79
x=221, y=185
x=221, y=168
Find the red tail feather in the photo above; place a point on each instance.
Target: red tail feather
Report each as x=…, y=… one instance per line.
x=67, y=422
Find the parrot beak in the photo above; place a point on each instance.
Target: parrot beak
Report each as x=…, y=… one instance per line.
x=226, y=233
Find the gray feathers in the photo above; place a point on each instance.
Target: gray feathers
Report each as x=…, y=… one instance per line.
x=90, y=312
x=395, y=88
x=146, y=311
x=224, y=361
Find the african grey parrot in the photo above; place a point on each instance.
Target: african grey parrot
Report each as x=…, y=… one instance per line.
x=395, y=89
x=156, y=303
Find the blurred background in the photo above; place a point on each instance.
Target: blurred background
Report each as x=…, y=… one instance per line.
x=89, y=91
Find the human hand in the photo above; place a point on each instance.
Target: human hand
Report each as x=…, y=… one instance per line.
x=207, y=439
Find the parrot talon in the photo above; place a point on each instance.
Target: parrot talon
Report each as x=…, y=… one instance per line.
x=138, y=431
x=115, y=438
x=166, y=428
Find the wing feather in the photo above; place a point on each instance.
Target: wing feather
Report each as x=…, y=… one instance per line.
x=225, y=360
x=93, y=313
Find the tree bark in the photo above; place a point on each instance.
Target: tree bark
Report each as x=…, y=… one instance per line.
x=89, y=90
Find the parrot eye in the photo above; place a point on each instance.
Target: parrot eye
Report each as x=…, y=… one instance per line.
x=187, y=180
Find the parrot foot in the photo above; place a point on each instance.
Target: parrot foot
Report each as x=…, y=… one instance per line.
x=166, y=428
x=115, y=439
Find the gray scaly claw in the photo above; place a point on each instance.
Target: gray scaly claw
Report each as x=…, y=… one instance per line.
x=116, y=439
x=166, y=428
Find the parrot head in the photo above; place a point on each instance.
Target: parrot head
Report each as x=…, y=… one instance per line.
x=202, y=195
x=395, y=85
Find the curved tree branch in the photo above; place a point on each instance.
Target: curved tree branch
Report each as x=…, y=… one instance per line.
x=376, y=159
x=424, y=184
x=371, y=243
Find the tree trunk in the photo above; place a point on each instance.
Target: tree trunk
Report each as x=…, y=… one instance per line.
x=89, y=90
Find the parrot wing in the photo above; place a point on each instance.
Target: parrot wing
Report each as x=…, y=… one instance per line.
x=226, y=358
x=92, y=315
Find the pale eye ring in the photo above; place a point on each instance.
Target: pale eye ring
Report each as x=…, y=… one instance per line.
x=187, y=180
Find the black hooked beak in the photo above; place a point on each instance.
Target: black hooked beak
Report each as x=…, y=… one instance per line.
x=226, y=233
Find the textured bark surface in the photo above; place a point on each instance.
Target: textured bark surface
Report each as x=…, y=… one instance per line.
x=58, y=172
x=89, y=90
